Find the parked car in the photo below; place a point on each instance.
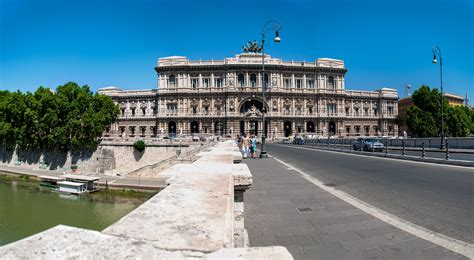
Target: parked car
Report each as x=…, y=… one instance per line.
x=286, y=140
x=368, y=144
x=299, y=140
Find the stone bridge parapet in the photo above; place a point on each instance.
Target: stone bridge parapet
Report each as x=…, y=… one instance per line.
x=200, y=214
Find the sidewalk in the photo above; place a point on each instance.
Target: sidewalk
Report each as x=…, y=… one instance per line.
x=282, y=208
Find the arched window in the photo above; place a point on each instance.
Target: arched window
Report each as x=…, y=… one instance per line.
x=241, y=80
x=253, y=80
x=172, y=81
x=331, y=84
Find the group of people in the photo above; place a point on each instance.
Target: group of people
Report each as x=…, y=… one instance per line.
x=247, y=144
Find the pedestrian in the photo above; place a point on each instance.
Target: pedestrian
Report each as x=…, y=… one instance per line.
x=245, y=146
x=253, y=143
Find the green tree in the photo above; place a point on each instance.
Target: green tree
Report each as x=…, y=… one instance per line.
x=421, y=123
x=424, y=118
x=458, y=122
x=70, y=118
x=139, y=145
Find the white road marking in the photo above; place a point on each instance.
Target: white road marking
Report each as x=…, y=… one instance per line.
x=450, y=243
x=377, y=157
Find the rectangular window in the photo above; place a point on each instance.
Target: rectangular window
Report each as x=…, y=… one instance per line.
x=218, y=82
x=309, y=83
x=331, y=109
x=390, y=111
x=195, y=83
x=347, y=111
x=287, y=83
x=205, y=82
x=172, y=109
x=298, y=83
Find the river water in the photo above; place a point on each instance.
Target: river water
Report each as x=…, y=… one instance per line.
x=27, y=208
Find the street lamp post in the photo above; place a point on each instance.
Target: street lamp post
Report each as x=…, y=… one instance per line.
x=437, y=53
x=275, y=26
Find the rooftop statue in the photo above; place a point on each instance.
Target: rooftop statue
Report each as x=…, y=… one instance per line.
x=252, y=47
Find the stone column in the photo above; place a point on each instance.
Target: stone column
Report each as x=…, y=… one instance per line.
x=293, y=80
x=304, y=81
x=247, y=80
x=200, y=81
x=212, y=80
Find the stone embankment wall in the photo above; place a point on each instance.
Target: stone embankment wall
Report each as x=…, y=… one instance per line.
x=109, y=158
x=198, y=215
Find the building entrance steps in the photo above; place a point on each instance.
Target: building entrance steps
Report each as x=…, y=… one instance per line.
x=283, y=208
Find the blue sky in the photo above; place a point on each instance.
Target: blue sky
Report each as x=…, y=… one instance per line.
x=102, y=43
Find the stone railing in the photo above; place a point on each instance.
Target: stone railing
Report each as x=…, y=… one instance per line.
x=198, y=215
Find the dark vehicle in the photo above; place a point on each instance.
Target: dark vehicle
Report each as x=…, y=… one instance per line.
x=299, y=140
x=368, y=144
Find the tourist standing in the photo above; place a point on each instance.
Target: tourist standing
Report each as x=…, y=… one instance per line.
x=245, y=146
x=253, y=143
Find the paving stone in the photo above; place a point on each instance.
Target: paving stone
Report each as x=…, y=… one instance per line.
x=339, y=237
x=326, y=251
x=296, y=251
x=377, y=231
x=333, y=229
x=400, y=236
x=366, y=243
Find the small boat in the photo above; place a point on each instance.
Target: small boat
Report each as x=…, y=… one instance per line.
x=69, y=187
x=50, y=181
x=90, y=182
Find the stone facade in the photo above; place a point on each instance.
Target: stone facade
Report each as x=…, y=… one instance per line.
x=224, y=97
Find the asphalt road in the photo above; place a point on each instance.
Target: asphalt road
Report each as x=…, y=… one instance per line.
x=437, y=197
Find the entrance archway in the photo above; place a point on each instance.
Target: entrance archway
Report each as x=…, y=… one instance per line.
x=287, y=128
x=172, y=127
x=247, y=105
x=332, y=128
x=194, y=127
x=310, y=127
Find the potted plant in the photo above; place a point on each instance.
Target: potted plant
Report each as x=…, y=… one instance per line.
x=74, y=168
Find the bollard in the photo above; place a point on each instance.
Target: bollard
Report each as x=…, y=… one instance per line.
x=447, y=149
x=335, y=142
x=403, y=147
x=386, y=147
x=342, y=144
x=423, y=152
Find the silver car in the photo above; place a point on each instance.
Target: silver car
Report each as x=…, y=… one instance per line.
x=368, y=144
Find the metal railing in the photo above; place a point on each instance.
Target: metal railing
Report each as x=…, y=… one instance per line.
x=424, y=149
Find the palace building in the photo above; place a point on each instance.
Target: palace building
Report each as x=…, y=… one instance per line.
x=224, y=97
